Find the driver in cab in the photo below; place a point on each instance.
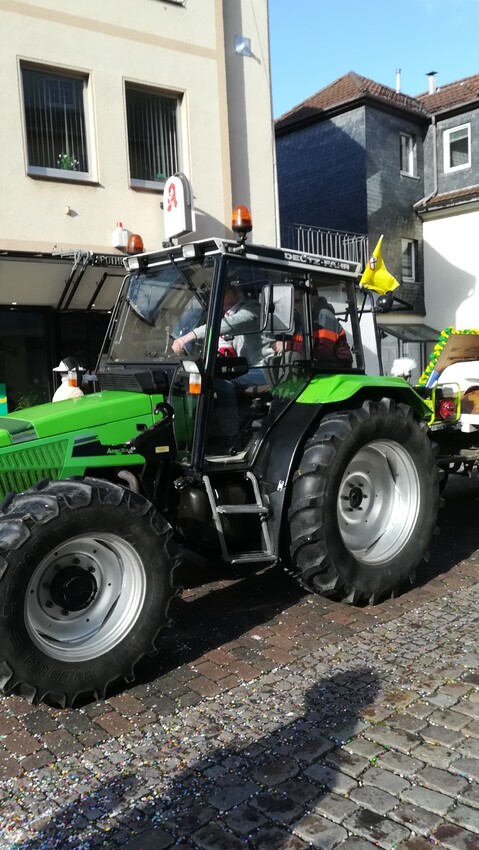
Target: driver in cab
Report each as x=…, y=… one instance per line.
x=239, y=331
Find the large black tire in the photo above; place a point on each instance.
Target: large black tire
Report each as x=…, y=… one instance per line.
x=364, y=503
x=86, y=579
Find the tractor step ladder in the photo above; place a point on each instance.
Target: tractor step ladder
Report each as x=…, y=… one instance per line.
x=255, y=508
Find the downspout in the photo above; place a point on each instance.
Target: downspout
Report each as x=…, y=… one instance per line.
x=427, y=198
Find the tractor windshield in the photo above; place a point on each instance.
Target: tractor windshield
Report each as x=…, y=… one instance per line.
x=162, y=303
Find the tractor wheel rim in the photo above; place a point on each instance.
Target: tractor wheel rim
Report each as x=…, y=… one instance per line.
x=84, y=597
x=378, y=502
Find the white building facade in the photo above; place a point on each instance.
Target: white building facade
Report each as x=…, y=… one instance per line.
x=102, y=103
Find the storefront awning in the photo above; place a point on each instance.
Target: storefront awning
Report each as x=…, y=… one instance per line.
x=411, y=332
x=76, y=280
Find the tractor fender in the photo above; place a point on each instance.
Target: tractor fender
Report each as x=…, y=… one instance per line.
x=334, y=389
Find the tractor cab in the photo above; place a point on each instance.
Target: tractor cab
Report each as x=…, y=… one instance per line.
x=232, y=334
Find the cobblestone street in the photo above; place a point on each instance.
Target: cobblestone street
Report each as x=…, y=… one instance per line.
x=274, y=720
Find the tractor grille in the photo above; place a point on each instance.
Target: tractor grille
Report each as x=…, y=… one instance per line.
x=119, y=381
x=20, y=469
x=136, y=380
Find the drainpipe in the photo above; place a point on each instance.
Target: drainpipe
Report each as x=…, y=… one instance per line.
x=432, y=90
x=427, y=198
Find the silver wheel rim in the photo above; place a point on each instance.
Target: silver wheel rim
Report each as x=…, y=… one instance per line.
x=84, y=597
x=378, y=502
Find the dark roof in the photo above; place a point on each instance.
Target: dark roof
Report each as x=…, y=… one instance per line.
x=353, y=89
x=347, y=90
x=448, y=199
x=451, y=95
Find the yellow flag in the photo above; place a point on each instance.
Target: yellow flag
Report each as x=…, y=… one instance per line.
x=375, y=275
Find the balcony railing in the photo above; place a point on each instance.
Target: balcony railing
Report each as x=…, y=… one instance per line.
x=329, y=243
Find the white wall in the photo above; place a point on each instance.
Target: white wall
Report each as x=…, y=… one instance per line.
x=451, y=271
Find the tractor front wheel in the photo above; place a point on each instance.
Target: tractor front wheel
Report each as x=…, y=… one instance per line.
x=86, y=579
x=364, y=503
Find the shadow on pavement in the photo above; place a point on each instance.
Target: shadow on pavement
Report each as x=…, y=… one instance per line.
x=258, y=788
x=221, y=612
x=458, y=536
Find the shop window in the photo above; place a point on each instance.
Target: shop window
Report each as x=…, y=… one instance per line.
x=81, y=335
x=25, y=358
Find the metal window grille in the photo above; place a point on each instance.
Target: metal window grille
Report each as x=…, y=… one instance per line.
x=152, y=135
x=55, y=120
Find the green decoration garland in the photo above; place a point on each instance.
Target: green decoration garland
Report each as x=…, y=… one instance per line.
x=434, y=356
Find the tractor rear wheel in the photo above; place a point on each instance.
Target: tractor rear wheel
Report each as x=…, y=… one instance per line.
x=86, y=579
x=364, y=503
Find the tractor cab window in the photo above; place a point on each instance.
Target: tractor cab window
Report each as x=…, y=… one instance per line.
x=333, y=344
x=276, y=330
x=161, y=303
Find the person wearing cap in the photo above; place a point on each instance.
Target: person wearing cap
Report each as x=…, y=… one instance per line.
x=68, y=387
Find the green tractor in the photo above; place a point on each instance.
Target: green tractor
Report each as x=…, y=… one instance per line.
x=234, y=416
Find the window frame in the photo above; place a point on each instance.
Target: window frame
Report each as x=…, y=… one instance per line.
x=446, y=137
x=171, y=94
x=47, y=172
x=412, y=245
x=411, y=170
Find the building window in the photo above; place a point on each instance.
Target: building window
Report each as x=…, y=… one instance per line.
x=409, y=260
x=407, y=154
x=56, y=124
x=457, y=148
x=152, y=137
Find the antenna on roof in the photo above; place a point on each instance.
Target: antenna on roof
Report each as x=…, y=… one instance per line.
x=398, y=79
x=432, y=81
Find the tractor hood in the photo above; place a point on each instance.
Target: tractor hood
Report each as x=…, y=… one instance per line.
x=90, y=411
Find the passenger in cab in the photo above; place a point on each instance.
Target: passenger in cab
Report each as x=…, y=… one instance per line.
x=330, y=347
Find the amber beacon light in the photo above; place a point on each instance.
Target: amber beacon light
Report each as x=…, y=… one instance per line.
x=135, y=244
x=241, y=221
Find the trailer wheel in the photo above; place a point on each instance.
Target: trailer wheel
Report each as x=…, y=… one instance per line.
x=86, y=579
x=364, y=503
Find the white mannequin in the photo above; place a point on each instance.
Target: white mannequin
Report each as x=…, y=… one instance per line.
x=65, y=391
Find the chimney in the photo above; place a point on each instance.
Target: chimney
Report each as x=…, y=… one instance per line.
x=432, y=81
x=398, y=79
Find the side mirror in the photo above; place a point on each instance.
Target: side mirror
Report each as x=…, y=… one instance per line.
x=277, y=308
x=384, y=303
